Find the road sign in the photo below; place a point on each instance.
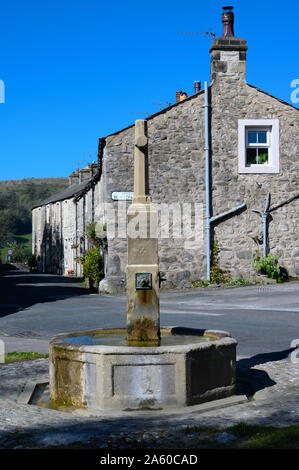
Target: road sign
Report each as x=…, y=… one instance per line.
x=122, y=196
x=9, y=252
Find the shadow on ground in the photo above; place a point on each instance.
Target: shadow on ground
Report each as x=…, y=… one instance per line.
x=20, y=290
x=250, y=381
x=121, y=433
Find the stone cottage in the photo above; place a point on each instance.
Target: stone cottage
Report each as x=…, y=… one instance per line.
x=227, y=149
x=59, y=223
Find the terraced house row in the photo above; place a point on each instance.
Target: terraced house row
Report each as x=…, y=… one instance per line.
x=229, y=147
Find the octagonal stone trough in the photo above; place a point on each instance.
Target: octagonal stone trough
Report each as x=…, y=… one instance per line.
x=97, y=370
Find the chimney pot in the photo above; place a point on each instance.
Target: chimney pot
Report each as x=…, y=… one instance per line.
x=197, y=87
x=228, y=22
x=180, y=95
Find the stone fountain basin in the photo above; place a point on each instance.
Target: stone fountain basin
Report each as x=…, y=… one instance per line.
x=199, y=367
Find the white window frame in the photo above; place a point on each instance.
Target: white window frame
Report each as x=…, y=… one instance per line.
x=272, y=127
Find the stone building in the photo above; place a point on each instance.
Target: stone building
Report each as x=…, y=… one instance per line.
x=59, y=223
x=250, y=140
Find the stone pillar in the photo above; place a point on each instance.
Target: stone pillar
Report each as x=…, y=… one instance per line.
x=142, y=275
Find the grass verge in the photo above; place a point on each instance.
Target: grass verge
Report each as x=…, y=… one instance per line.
x=226, y=283
x=266, y=437
x=23, y=356
x=246, y=436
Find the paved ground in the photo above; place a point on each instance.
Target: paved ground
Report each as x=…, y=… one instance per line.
x=264, y=320
x=271, y=386
x=34, y=308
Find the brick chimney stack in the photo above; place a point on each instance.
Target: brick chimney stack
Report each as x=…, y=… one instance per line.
x=180, y=96
x=228, y=53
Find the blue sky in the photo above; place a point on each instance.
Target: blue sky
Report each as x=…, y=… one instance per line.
x=75, y=71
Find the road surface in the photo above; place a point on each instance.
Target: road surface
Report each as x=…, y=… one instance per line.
x=36, y=307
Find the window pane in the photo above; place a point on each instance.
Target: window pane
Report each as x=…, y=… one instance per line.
x=251, y=157
x=252, y=137
x=262, y=137
x=263, y=157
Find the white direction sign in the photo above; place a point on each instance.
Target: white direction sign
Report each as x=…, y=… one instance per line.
x=122, y=196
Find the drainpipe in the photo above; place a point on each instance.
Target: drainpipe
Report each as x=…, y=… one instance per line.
x=209, y=219
x=264, y=215
x=264, y=219
x=231, y=211
x=207, y=176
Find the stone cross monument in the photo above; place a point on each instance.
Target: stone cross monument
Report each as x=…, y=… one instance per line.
x=142, y=276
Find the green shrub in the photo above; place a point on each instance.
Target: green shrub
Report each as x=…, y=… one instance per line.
x=32, y=262
x=92, y=265
x=200, y=283
x=268, y=265
x=96, y=233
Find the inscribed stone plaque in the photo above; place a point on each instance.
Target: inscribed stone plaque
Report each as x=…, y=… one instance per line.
x=144, y=381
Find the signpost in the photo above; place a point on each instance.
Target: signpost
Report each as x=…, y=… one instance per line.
x=9, y=253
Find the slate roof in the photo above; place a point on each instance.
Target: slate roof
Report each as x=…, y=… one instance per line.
x=67, y=193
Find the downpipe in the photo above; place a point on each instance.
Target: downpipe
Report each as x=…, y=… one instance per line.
x=207, y=178
x=209, y=219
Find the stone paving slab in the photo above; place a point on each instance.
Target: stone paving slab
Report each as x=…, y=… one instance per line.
x=272, y=389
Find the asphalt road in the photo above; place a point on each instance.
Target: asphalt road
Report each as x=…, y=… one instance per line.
x=36, y=307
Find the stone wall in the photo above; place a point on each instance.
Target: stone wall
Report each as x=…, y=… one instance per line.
x=175, y=174
x=176, y=169
x=233, y=100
